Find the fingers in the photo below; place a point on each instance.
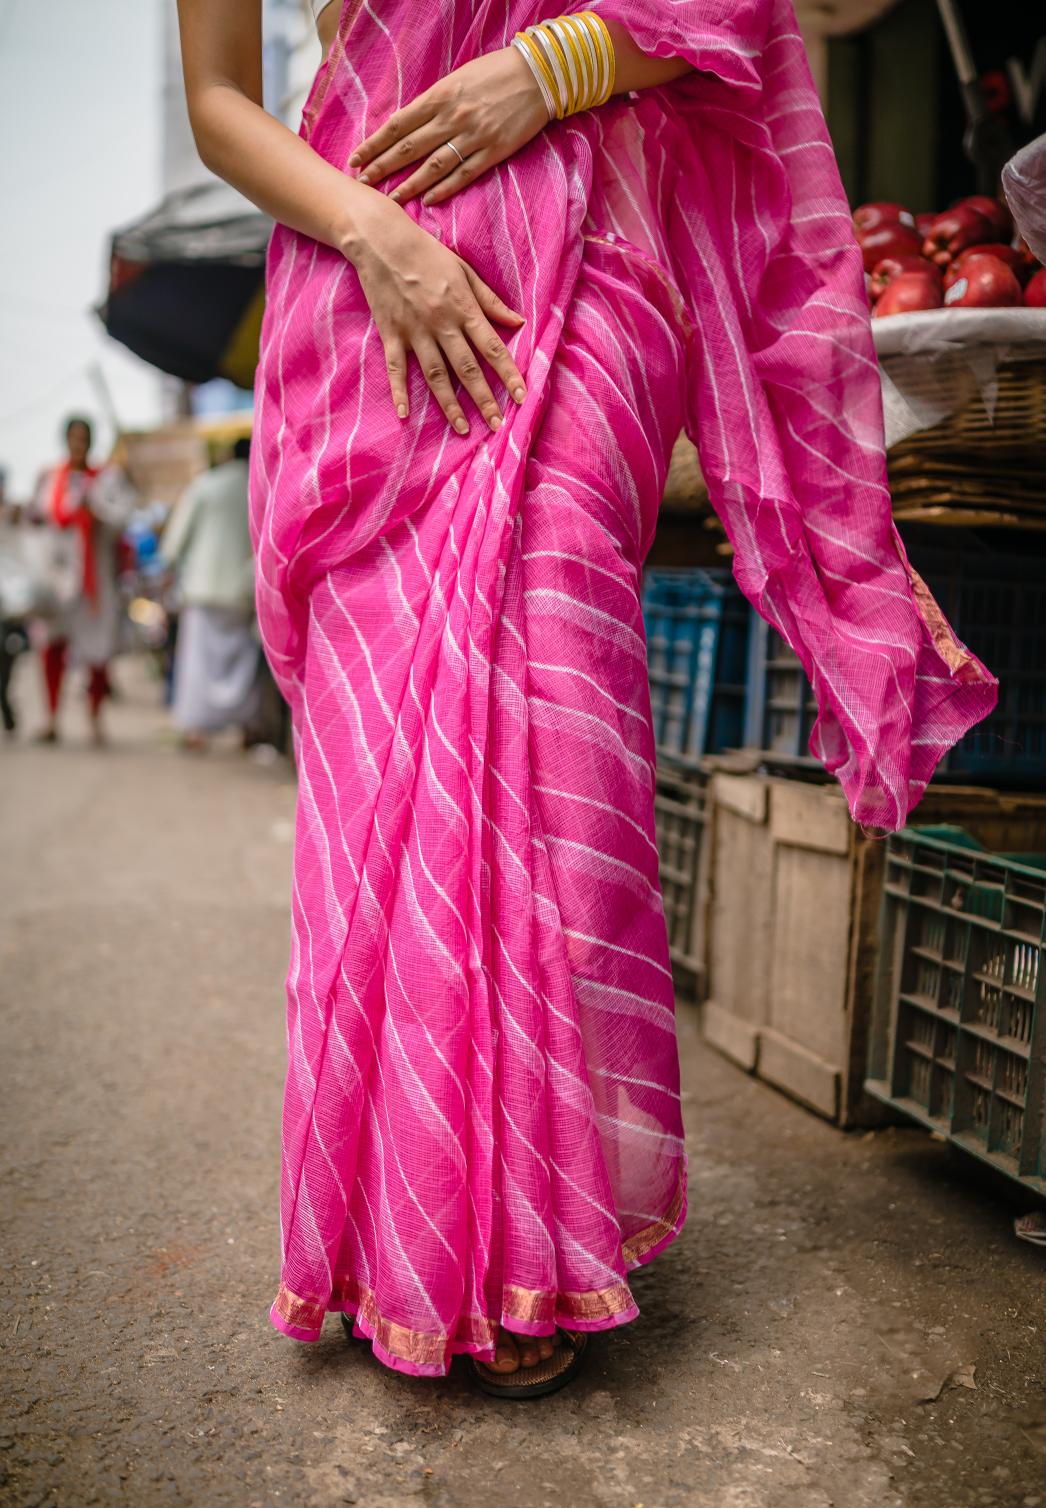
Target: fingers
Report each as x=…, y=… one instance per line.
x=486, y=339
x=413, y=147
x=396, y=366
x=463, y=359
x=442, y=174
x=436, y=374
x=451, y=342
x=399, y=123
x=461, y=176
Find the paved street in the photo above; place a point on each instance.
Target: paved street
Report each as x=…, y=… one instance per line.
x=846, y=1321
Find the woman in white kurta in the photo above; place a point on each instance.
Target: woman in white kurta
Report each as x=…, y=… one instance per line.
x=217, y=656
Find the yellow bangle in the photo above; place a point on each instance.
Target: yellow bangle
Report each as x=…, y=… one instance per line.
x=543, y=74
x=572, y=59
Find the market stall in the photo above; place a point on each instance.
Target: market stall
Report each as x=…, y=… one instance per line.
x=783, y=917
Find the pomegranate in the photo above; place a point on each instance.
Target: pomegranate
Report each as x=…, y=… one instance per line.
x=889, y=268
x=985, y=283
x=953, y=232
x=909, y=291
x=1035, y=293
x=871, y=216
x=888, y=241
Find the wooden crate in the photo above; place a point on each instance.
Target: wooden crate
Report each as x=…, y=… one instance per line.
x=793, y=909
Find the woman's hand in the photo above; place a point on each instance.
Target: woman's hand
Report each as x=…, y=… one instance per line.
x=426, y=299
x=488, y=109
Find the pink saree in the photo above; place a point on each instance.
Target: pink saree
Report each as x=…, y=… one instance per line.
x=482, y=1115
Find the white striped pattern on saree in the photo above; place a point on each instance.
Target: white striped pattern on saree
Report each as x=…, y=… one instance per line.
x=482, y=1118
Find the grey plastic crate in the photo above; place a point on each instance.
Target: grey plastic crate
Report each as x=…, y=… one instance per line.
x=959, y=1023
x=681, y=816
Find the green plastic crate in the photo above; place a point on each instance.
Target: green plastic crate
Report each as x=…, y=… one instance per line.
x=958, y=1036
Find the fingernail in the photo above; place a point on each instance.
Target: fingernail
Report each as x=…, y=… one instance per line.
x=354, y=160
x=462, y=426
x=395, y=196
x=401, y=409
x=495, y=422
x=364, y=177
x=426, y=198
x=519, y=393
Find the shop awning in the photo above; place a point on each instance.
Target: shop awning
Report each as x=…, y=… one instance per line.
x=186, y=285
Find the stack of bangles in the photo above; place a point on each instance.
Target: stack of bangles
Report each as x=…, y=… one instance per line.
x=572, y=59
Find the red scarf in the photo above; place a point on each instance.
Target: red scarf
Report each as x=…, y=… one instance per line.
x=66, y=516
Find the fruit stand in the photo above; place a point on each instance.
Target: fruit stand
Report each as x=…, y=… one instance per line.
x=774, y=901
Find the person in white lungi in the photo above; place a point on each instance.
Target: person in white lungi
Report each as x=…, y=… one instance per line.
x=87, y=509
x=217, y=654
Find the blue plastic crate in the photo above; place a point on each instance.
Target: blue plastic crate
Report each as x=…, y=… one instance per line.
x=996, y=601
x=997, y=604
x=697, y=625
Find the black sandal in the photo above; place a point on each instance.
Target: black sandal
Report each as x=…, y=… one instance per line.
x=538, y=1381
x=357, y=1340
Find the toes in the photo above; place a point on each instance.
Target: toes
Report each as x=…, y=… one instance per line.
x=528, y=1352
x=506, y=1356
x=546, y=1346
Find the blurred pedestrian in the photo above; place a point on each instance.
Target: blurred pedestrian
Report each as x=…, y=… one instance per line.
x=217, y=654
x=15, y=602
x=88, y=506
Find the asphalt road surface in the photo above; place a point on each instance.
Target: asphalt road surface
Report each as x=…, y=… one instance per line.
x=846, y=1321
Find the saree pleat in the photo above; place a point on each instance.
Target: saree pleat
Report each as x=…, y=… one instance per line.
x=482, y=1112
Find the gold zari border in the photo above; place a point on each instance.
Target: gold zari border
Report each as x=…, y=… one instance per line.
x=644, y=1241
x=525, y=1305
x=947, y=646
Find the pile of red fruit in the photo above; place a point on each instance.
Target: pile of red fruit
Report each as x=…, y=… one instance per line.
x=964, y=258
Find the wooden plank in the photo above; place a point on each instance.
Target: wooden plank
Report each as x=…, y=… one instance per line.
x=810, y=951
x=734, y=1038
x=747, y=795
x=810, y=816
x=737, y=953
x=800, y=1073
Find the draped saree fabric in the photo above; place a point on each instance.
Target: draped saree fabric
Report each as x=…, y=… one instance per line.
x=482, y=1118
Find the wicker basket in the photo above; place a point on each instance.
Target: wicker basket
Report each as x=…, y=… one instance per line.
x=1015, y=431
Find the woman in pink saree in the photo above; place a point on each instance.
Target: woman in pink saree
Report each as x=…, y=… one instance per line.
x=482, y=1131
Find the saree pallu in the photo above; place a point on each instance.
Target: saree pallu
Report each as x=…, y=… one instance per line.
x=482, y=1120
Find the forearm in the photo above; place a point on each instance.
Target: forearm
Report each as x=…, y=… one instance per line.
x=634, y=69
x=277, y=171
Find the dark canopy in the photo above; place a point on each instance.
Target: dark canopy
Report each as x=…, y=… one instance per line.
x=186, y=284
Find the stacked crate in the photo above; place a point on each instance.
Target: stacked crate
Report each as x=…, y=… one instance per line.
x=958, y=1036
x=697, y=627
x=994, y=594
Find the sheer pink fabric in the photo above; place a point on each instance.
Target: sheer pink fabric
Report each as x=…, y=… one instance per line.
x=482, y=1120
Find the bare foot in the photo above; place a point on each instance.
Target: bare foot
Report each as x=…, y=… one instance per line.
x=514, y=1351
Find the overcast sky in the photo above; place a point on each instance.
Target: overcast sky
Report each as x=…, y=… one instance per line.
x=80, y=88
